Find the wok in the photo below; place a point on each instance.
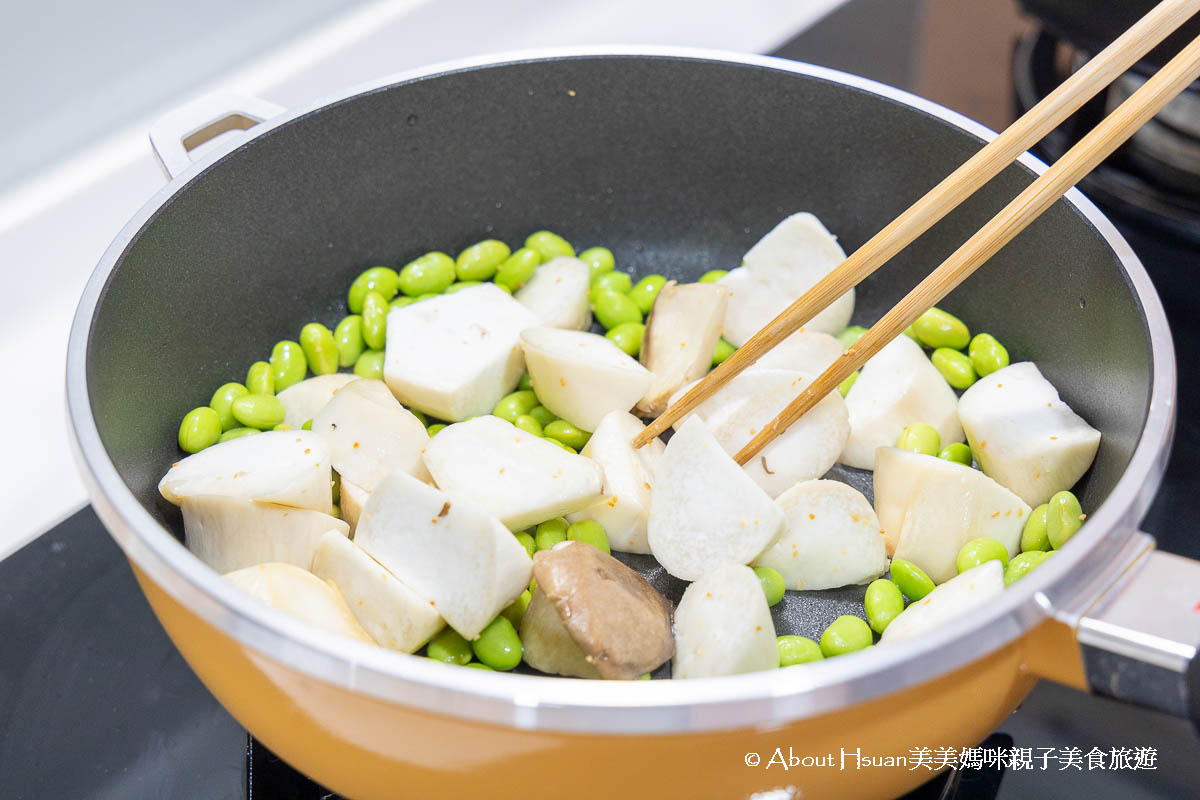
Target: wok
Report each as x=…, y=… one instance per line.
x=677, y=161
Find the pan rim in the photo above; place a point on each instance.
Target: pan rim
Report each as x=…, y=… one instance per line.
x=647, y=708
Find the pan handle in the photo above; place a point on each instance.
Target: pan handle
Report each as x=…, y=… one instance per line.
x=1140, y=637
x=184, y=129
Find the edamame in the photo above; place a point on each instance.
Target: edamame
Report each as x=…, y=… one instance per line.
x=374, y=316
x=645, y=291
x=1034, y=535
x=288, y=365
x=262, y=411
x=722, y=351
x=920, y=437
x=589, y=531
x=200, y=428
x=845, y=634
x=628, y=336
x=480, y=261
x=498, y=645
x=514, y=405
x=543, y=415
x=223, y=398
x=613, y=308
x=376, y=279
x=568, y=434
x=938, y=328
x=529, y=425
x=514, y=612
x=237, y=433
x=911, y=579
x=772, y=583
x=517, y=269
x=795, y=650
x=980, y=551
x=370, y=364
x=851, y=335
x=1064, y=518
x=549, y=245
x=955, y=367
x=613, y=282
x=599, y=260
x=959, y=453
x=260, y=379
x=348, y=339
x=987, y=354
x=1022, y=564
x=713, y=275
x=550, y=533
x=450, y=647
x=526, y=541
x=320, y=349
x=429, y=274
x=882, y=604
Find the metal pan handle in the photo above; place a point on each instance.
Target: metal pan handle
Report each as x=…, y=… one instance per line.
x=184, y=129
x=1139, y=640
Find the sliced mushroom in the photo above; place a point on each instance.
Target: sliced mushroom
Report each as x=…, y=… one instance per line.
x=619, y=623
x=681, y=332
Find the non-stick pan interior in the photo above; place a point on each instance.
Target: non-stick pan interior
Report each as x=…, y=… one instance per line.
x=677, y=165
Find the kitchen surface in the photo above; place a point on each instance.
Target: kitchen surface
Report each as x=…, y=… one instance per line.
x=97, y=701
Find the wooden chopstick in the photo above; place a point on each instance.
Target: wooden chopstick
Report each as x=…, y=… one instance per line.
x=1044, y=117
x=1093, y=148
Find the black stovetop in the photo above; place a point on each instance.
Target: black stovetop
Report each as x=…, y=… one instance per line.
x=95, y=702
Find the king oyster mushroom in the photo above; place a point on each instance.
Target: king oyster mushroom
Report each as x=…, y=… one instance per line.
x=593, y=617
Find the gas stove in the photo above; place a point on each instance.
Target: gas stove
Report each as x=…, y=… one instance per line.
x=97, y=702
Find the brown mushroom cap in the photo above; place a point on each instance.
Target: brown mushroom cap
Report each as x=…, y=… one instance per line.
x=619, y=621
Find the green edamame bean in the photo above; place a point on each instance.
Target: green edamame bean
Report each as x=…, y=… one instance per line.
x=200, y=428
x=1064, y=518
x=1021, y=565
x=772, y=584
x=288, y=364
x=514, y=405
x=910, y=333
x=518, y=268
x=433, y=430
x=307, y=426
x=427, y=296
x=237, y=433
x=320, y=349
x=370, y=364
x=260, y=379
x=938, y=328
x=713, y=275
x=845, y=386
x=979, y=551
x=376, y=279
x=525, y=383
x=845, y=634
x=628, y=336
x=599, y=260
x=480, y=261
x=911, y=579
x=458, y=286
x=449, y=647
x=514, y=612
x=262, y=411
x=1034, y=536
x=957, y=452
x=795, y=650
x=335, y=483
x=550, y=533
x=529, y=425
x=498, y=645
x=882, y=604
x=543, y=415
x=851, y=335
x=987, y=354
x=955, y=367
x=589, y=531
x=526, y=541
x=567, y=433
x=283, y=426
x=613, y=282
x=374, y=316
x=420, y=415
x=722, y=351
x=613, y=308
x=645, y=291
x=549, y=245
x=557, y=443
x=223, y=398
x=401, y=301
x=348, y=339
x=478, y=665
x=920, y=437
x=429, y=274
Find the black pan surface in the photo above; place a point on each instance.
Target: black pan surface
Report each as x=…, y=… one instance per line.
x=678, y=165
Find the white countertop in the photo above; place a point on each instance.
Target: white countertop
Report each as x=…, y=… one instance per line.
x=54, y=227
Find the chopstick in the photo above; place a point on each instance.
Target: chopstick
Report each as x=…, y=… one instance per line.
x=988, y=162
x=1081, y=159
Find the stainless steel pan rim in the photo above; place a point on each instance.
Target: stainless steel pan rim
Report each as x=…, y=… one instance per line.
x=635, y=707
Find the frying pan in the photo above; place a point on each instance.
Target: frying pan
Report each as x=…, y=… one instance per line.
x=678, y=161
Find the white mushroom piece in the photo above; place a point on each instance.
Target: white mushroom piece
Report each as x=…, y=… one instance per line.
x=629, y=476
x=681, y=332
x=303, y=595
x=393, y=614
x=582, y=376
x=229, y=533
x=929, y=508
x=454, y=356
x=593, y=617
x=954, y=598
x=289, y=468
x=461, y=561
x=705, y=512
x=831, y=537
x=781, y=267
x=519, y=478
x=723, y=626
x=557, y=294
x=896, y=388
x=1024, y=435
x=370, y=434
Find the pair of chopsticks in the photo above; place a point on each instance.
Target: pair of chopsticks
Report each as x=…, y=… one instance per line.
x=1097, y=145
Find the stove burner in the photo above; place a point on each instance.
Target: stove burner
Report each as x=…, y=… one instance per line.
x=268, y=777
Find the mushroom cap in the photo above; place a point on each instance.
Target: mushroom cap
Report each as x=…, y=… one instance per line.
x=618, y=619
